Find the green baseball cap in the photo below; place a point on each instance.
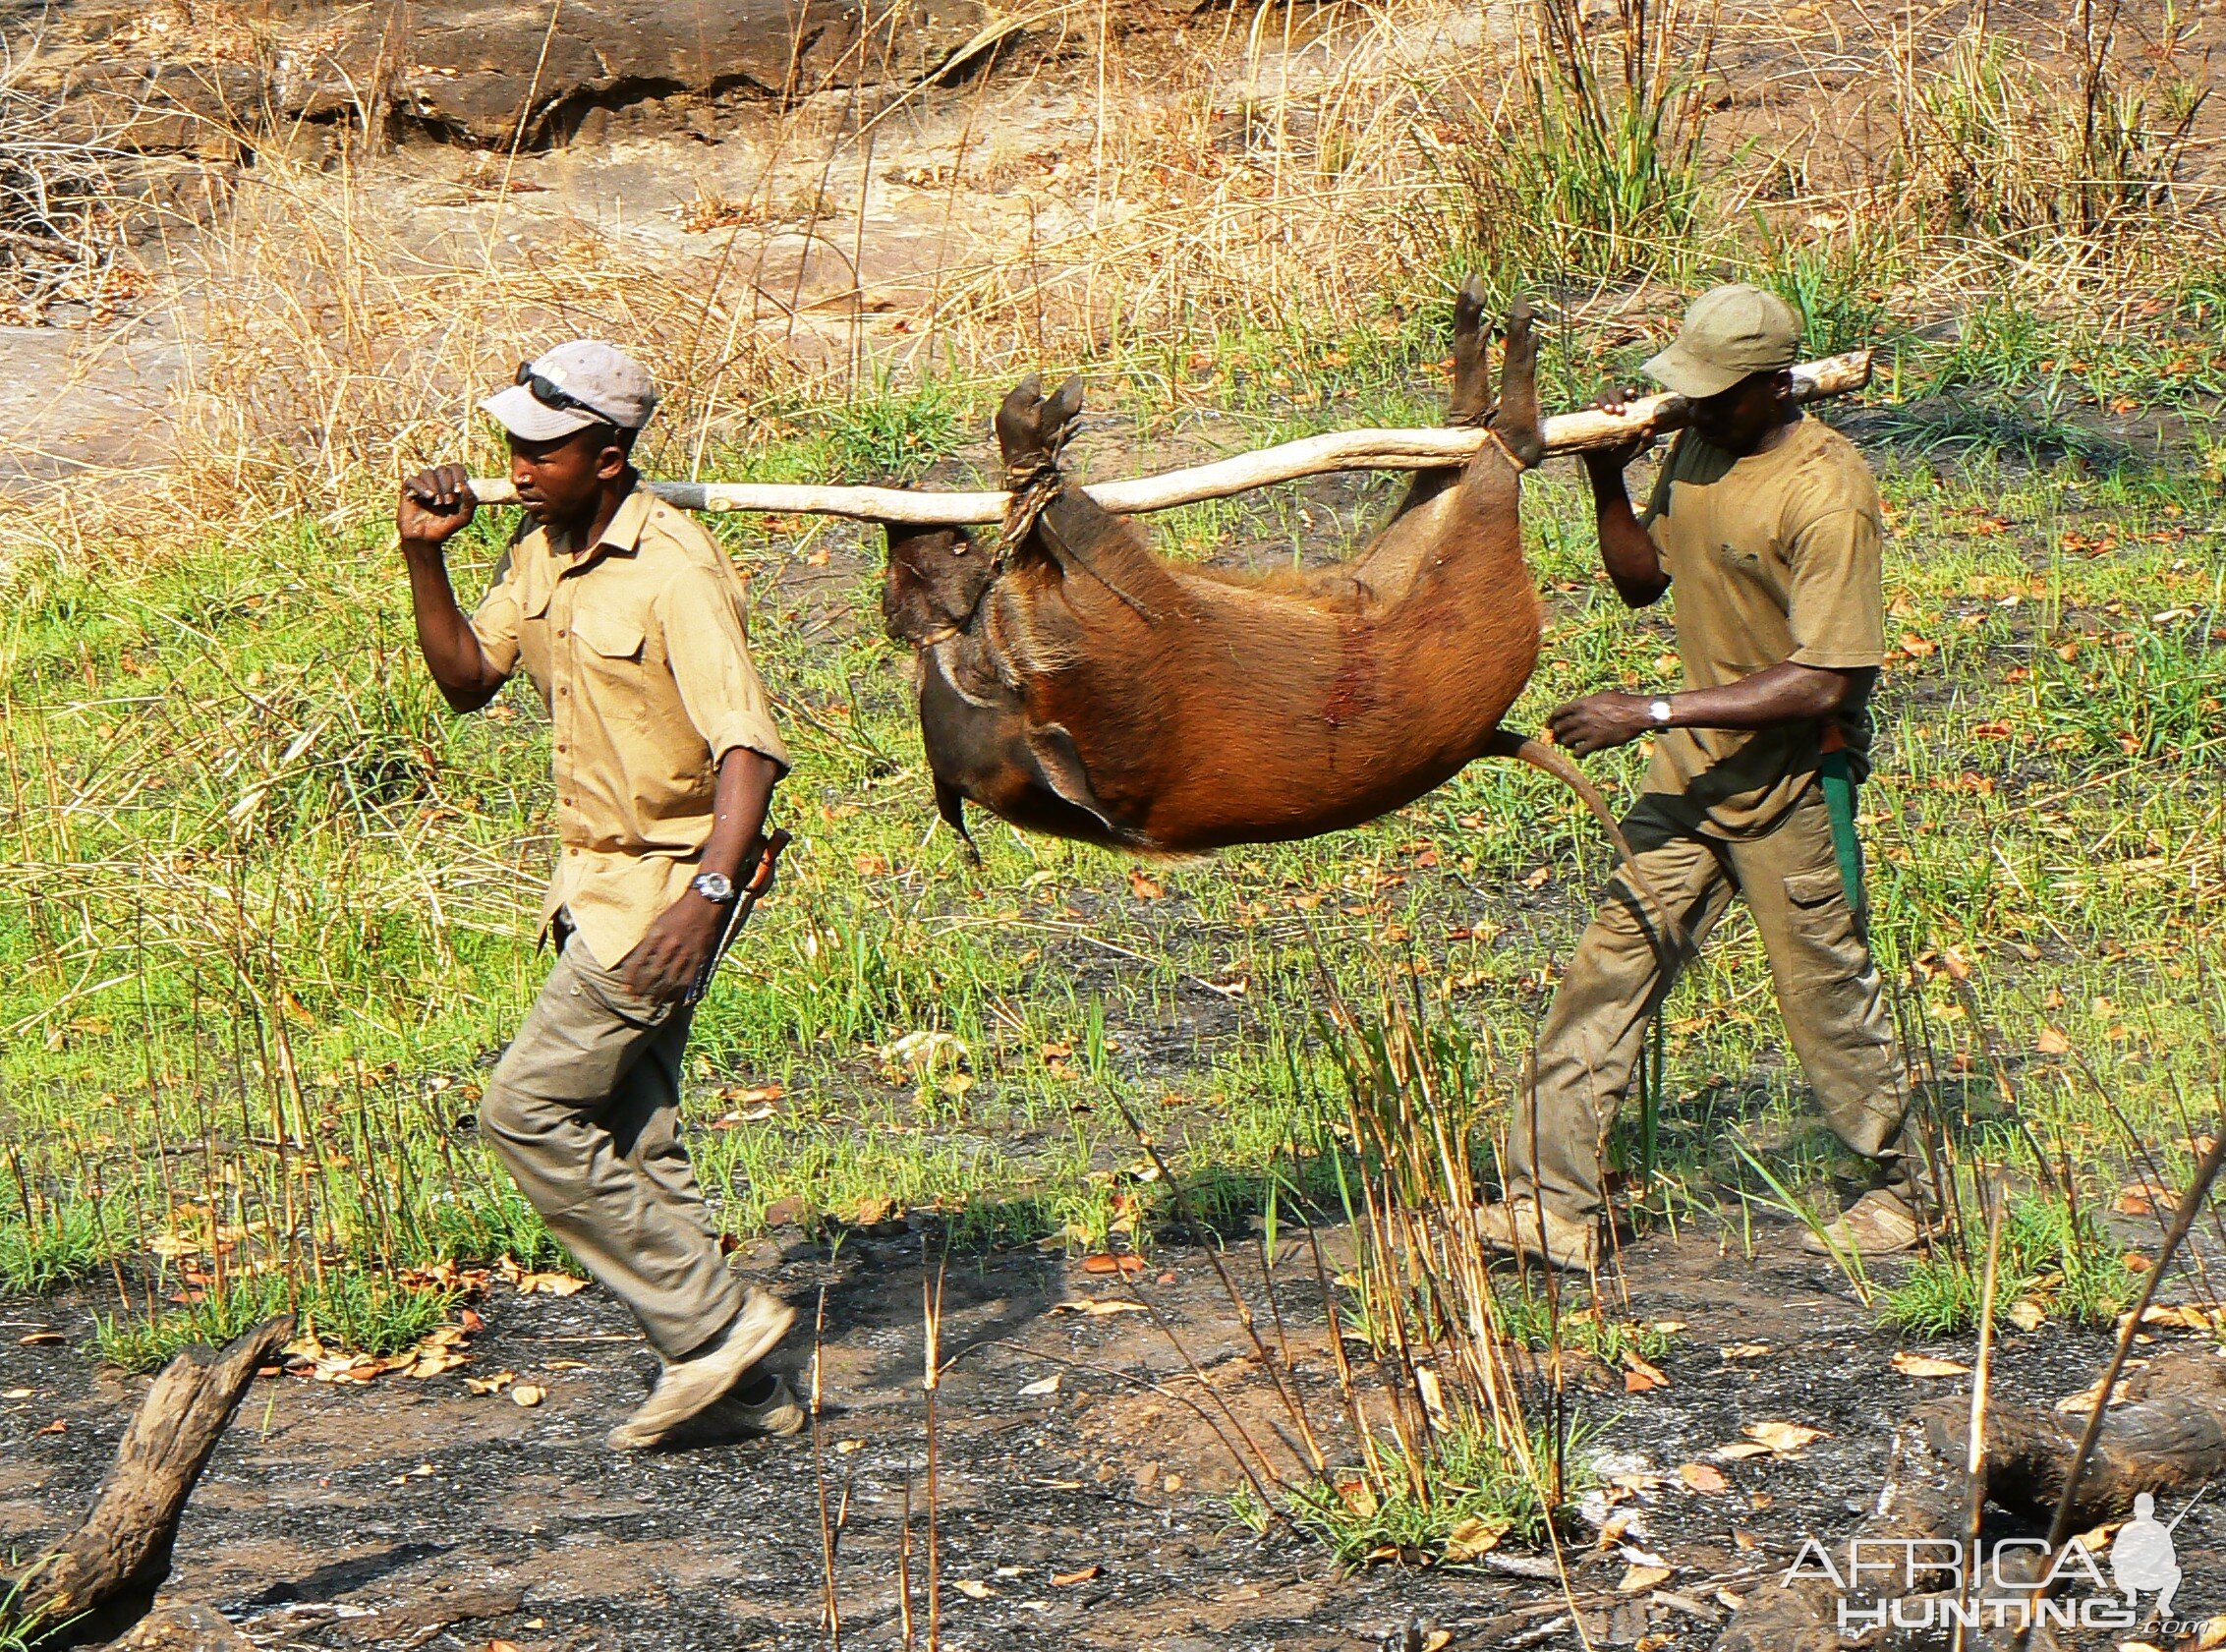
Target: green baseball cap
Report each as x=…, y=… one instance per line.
x=1729, y=333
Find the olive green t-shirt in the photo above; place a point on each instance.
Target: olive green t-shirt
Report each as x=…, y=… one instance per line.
x=1771, y=557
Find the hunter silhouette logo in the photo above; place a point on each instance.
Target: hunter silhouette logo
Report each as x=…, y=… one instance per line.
x=2142, y=1557
x=1907, y=1584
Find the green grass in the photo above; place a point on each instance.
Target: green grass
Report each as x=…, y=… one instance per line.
x=58, y=1246
x=361, y=1312
x=1471, y=1481
x=264, y=919
x=2064, y=1263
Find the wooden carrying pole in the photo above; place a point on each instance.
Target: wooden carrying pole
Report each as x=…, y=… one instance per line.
x=1339, y=450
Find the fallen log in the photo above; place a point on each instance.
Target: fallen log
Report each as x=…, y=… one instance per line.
x=92, y=1582
x=2168, y=1438
x=1339, y=450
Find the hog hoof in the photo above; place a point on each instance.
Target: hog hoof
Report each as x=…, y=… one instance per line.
x=1032, y=427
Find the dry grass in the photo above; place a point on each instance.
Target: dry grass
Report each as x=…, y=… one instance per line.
x=1290, y=174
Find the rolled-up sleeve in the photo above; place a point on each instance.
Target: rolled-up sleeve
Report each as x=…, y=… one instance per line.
x=719, y=686
x=496, y=620
x=1836, y=604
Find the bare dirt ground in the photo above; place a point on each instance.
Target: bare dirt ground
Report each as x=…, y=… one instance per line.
x=411, y=1512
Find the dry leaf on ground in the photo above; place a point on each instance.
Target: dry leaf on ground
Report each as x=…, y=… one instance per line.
x=490, y=1384
x=549, y=1285
x=2026, y=1314
x=1703, y=1479
x=2052, y=1042
x=972, y=1589
x=1642, y=1578
x=1784, y=1439
x=1639, y=1376
x=1048, y=1384
x=1106, y=1262
x=2081, y=1403
x=1067, y=1579
x=1744, y=1350
x=1474, y=1537
x=1103, y=1306
x=527, y=1395
x=1925, y=1365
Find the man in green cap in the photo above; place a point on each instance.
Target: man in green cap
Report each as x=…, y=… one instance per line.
x=1766, y=523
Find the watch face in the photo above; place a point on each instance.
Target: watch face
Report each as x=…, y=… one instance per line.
x=714, y=885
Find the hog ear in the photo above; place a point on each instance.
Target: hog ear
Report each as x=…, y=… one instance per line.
x=933, y=581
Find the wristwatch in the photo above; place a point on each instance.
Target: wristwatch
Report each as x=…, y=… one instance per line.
x=715, y=886
x=1658, y=713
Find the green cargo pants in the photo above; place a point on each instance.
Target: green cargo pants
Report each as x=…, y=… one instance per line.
x=584, y=1109
x=1827, y=985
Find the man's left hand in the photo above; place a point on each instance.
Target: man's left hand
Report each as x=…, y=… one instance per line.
x=673, y=953
x=1599, y=721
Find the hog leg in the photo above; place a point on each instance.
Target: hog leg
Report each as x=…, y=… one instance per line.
x=1471, y=400
x=1052, y=521
x=951, y=804
x=1515, y=421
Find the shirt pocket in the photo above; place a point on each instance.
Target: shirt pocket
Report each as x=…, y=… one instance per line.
x=610, y=659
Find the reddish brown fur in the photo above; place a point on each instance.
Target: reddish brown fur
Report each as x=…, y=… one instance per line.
x=1090, y=689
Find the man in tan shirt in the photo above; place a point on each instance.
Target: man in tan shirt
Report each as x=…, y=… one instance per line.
x=1766, y=526
x=628, y=618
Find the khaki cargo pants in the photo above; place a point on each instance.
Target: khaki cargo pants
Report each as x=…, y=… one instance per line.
x=1827, y=985
x=584, y=1109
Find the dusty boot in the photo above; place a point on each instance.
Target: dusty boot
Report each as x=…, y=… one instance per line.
x=689, y=1386
x=1512, y=1230
x=1880, y=1224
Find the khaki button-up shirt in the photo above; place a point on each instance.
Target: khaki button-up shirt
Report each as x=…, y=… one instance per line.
x=636, y=645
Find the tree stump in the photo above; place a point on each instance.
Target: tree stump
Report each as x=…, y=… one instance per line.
x=94, y=1581
x=2169, y=1436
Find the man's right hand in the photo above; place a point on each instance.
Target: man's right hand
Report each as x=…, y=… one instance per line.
x=1611, y=462
x=436, y=505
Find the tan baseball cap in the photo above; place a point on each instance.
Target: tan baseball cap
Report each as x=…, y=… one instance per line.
x=1729, y=333
x=572, y=386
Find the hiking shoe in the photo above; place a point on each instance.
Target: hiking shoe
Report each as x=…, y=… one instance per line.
x=774, y=1412
x=777, y=1413
x=1513, y=1230
x=1880, y=1224
x=691, y=1387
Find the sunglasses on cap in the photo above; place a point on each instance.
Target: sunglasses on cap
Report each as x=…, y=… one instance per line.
x=550, y=394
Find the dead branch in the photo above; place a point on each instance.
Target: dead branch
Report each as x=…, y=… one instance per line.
x=120, y=1556
x=2170, y=1436
x=1339, y=450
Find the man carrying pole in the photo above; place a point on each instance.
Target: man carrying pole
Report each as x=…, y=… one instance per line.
x=628, y=618
x=1767, y=525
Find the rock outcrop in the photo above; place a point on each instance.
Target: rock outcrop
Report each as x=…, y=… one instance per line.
x=209, y=79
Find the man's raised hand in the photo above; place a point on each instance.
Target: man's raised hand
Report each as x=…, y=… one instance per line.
x=1613, y=461
x=437, y=504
